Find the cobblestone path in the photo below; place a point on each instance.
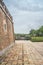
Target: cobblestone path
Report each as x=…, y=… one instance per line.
x=23, y=53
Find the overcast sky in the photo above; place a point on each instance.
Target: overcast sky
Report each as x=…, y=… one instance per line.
x=27, y=14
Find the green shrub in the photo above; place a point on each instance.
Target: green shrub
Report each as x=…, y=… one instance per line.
x=37, y=39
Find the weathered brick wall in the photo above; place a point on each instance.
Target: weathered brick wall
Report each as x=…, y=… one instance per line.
x=6, y=38
x=10, y=31
x=3, y=37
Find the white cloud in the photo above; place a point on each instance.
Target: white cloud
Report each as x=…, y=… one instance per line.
x=27, y=14
x=26, y=20
x=30, y=5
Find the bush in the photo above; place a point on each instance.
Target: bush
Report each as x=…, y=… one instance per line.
x=37, y=39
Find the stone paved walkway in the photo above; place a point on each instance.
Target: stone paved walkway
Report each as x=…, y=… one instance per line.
x=23, y=53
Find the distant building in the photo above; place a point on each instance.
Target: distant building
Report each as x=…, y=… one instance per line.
x=6, y=27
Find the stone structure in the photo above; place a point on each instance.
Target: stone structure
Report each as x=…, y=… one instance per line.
x=6, y=27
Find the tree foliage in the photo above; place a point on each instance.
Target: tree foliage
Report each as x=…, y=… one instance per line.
x=38, y=32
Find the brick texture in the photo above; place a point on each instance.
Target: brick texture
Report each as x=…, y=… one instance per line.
x=6, y=38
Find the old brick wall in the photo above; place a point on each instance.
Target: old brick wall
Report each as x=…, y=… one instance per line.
x=3, y=37
x=10, y=30
x=6, y=37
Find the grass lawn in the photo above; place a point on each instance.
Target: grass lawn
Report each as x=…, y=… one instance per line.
x=37, y=39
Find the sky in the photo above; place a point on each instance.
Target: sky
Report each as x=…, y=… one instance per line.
x=27, y=14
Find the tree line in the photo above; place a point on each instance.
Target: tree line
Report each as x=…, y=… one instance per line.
x=35, y=33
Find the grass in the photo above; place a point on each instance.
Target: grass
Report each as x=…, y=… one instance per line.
x=37, y=39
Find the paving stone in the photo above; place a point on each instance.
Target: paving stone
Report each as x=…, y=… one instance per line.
x=23, y=53
x=14, y=62
x=3, y=63
x=8, y=64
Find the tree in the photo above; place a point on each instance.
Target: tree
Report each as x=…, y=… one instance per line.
x=33, y=32
x=38, y=32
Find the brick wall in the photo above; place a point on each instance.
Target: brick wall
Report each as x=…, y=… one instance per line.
x=6, y=37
